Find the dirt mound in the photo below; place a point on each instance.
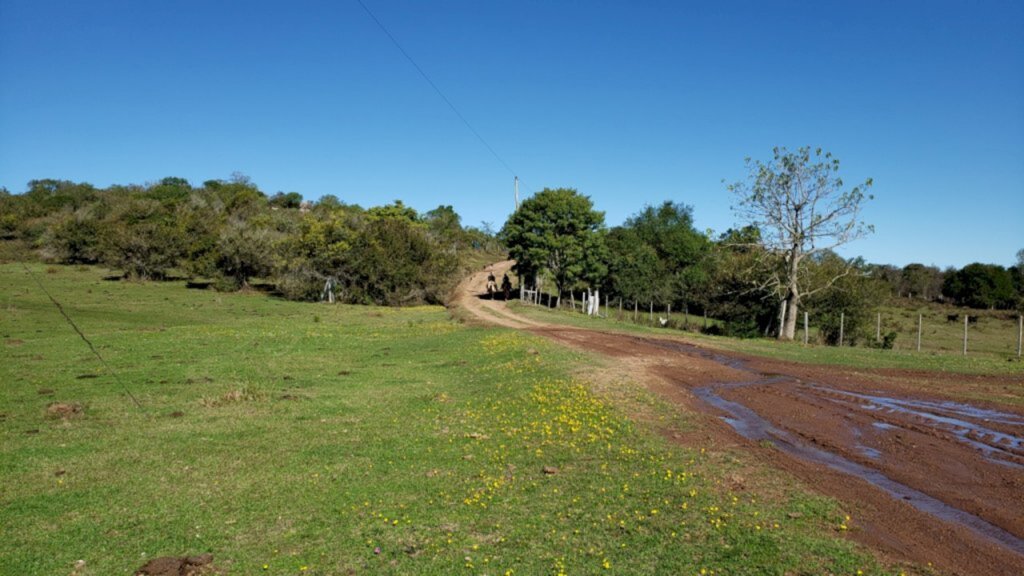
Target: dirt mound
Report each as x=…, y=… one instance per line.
x=179, y=566
x=64, y=410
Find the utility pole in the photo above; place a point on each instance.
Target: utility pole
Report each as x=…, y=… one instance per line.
x=516, y=186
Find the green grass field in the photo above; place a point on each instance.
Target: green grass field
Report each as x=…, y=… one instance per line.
x=290, y=438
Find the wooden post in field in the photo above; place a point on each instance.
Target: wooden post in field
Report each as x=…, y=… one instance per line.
x=1020, y=332
x=918, y=331
x=686, y=316
x=805, y=328
x=842, y=320
x=668, y=311
x=878, y=327
x=636, y=311
x=965, y=333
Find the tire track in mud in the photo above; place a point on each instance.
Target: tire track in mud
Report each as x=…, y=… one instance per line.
x=934, y=480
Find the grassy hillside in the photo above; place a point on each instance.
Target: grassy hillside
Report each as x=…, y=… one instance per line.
x=290, y=438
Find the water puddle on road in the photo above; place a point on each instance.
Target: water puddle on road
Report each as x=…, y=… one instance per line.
x=752, y=426
x=952, y=417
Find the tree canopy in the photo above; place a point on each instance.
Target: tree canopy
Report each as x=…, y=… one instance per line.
x=559, y=231
x=802, y=208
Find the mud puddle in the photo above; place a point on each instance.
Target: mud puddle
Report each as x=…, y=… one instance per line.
x=969, y=425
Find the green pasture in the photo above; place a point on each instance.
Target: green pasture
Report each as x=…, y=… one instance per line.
x=298, y=439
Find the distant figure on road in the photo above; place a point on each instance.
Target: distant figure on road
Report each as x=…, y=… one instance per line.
x=492, y=285
x=506, y=286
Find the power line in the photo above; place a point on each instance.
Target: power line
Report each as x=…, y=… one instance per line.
x=436, y=89
x=81, y=335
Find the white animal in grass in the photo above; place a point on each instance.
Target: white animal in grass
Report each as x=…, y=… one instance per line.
x=663, y=321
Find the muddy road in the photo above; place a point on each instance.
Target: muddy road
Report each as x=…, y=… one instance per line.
x=928, y=477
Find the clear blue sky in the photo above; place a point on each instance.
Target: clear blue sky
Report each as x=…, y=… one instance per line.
x=631, y=103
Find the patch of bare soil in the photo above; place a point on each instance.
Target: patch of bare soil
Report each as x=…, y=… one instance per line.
x=928, y=477
x=64, y=410
x=201, y=565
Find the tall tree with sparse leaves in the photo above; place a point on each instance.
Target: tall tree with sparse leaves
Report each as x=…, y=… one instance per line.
x=803, y=208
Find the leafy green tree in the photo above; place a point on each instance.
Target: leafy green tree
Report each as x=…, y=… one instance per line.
x=1017, y=275
x=394, y=210
x=633, y=267
x=140, y=237
x=171, y=190
x=981, y=286
x=394, y=262
x=319, y=250
x=802, y=208
x=244, y=250
x=291, y=200
x=74, y=238
x=737, y=295
x=559, y=231
x=850, y=304
x=445, y=227
x=681, y=274
x=922, y=281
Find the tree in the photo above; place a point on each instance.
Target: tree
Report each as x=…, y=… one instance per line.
x=557, y=230
x=291, y=200
x=981, y=286
x=848, y=307
x=802, y=208
x=632, y=266
x=736, y=293
x=140, y=237
x=681, y=250
x=922, y=281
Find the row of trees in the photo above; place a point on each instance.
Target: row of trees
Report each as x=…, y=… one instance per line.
x=976, y=285
x=231, y=232
x=757, y=278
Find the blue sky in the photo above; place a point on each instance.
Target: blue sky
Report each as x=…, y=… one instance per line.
x=631, y=103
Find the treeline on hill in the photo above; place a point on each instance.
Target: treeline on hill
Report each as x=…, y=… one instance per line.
x=230, y=232
x=658, y=258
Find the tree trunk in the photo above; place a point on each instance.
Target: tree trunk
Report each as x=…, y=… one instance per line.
x=787, y=330
x=789, y=324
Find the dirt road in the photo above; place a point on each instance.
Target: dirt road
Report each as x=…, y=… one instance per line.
x=929, y=478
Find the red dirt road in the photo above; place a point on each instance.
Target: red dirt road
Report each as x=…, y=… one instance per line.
x=928, y=477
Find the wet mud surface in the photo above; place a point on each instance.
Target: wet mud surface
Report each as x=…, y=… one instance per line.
x=928, y=476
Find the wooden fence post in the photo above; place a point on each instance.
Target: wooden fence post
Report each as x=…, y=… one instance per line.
x=1020, y=332
x=842, y=321
x=919, y=315
x=805, y=328
x=878, y=327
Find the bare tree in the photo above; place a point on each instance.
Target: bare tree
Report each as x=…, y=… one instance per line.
x=799, y=204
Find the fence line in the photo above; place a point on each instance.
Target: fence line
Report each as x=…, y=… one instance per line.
x=983, y=332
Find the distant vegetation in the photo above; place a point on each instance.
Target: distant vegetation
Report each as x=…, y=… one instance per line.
x=230, y=233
